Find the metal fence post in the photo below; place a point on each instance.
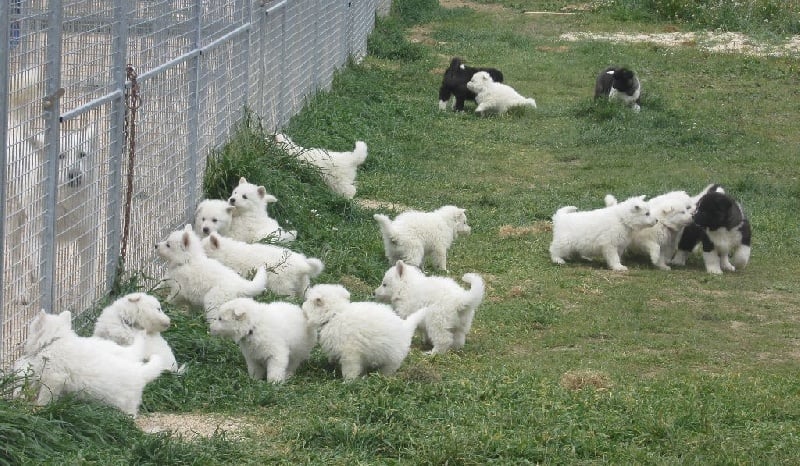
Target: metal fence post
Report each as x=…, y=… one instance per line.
x=117, y=145
x=4, y=108
x=51, y=115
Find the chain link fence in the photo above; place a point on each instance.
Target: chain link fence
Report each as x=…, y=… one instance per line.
x=109, y=109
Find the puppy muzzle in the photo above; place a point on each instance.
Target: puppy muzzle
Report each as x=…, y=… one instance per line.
x=74, y=178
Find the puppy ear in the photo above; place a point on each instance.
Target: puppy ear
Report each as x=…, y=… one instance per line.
x=734, y=214
x=400, y=265
x=134, y=298
x=319, y=302
x=239, y=314
x=242, y=180
x=188, y=227
x=186, y=239
x=66, y=316
x=213, y=239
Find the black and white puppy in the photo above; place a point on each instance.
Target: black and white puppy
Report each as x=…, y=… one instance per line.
x=723, y=229
x=455, y=82
x=620, y=84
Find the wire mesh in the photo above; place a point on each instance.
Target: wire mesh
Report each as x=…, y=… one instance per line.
x=81, y=174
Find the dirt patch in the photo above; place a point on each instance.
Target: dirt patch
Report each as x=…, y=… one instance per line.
x=722, y=42
x=378, y=205
x=580, y=379
x=482, y=7
x=191, y=426
x=508, y=231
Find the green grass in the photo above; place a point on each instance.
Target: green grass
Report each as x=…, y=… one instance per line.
x=566, y=365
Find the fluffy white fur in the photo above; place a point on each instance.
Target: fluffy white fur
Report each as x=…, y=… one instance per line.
x=493, y=97
x=338, y=169
x=602, y=232
x=200, y=280
x=659, y=242
x=414, y=235
x=274, y=338
x=289, y=273
x=250, y=221
x=450, y=307
x=213, y=215
x=361, y=336
x=76, y=201
x=138, y=315
x=58, y=361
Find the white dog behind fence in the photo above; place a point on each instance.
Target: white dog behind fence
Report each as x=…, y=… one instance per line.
x=76, y=203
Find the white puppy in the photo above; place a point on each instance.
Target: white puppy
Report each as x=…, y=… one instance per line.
x=250, y=221
x=200, y=280
x=138, y=315
x=361, y=335
x=673, y=211
x=414, y=235
x=450, y=307
x=493, y=97
x=602, y=232
x=338, y=169
x=289, y=273
x=213, y=215
x=59, y=362
x=274, y=338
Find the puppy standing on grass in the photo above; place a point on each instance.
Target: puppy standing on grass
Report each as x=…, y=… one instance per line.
x=200, y=280
x=722, y=228
x=493, y=97
x=274, y=338
x=362, y=335
x=450, y=307
x=250, y=221
x=619, y=84
x=673, y=211
x=413, y=235
x=138, y=315
x=61, y=362
x=338, y=169
x=454, y=83
x=602, y=232
x=289, y=273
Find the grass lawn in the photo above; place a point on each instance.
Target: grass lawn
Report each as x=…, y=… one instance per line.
x=570, y=364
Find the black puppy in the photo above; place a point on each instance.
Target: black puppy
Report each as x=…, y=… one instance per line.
x=722, y=227
x=455, y=82
x=619, y=83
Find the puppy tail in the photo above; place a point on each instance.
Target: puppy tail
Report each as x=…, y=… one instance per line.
x=385, y=224
x=153, y=368
x=360, y=152
x=258, y=284
x=412, y=322
x=316, y=267
x=476, y=291
x=566, y=210
x=610, y=200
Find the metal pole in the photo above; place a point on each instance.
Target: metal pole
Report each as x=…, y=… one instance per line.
x=52, y=150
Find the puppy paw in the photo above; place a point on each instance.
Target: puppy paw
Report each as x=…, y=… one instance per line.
x=558, y=260
x=619, y=268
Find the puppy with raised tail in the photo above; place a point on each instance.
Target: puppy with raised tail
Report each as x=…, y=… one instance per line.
x=493, y=97
x=200, y=280
x=250, y=221
x=412, y=236
x=361, y=336
x=57, y=361
x=289, y=273
x=338, y=169
x=602, y=232
x=275, y=338
x=451, y=308
x=138, y=315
